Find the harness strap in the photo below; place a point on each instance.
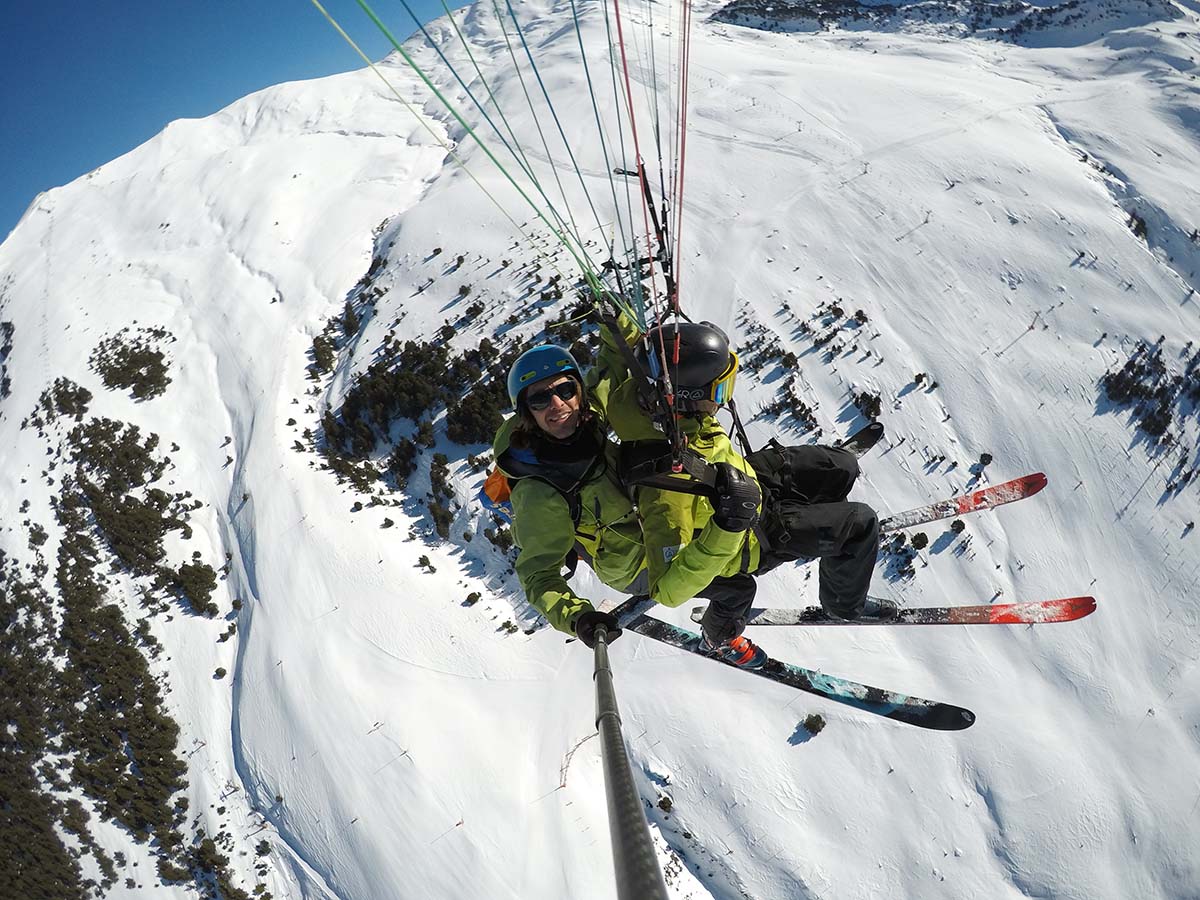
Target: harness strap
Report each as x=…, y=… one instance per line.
x=649, y=464
x=764, y=543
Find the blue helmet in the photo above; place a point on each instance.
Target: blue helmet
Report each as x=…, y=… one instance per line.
x=543, y=361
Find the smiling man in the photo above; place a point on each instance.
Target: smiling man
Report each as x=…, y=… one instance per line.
x=567, y=501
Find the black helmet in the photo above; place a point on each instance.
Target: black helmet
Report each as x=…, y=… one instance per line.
x=706, y=369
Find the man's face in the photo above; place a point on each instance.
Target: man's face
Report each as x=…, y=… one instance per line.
x=557, y=416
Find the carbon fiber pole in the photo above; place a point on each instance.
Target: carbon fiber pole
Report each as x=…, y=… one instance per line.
x=638, y=876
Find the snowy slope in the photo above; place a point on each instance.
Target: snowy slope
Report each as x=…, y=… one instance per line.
x=946, y=187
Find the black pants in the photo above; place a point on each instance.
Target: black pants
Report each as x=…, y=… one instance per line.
x=730, y=599
x=845, y=536
x=808, y=516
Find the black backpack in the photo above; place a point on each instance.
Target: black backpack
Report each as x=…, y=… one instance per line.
x=793, y=478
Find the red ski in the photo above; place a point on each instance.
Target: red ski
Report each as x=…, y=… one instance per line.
x=984, y=498
x=1030, y=613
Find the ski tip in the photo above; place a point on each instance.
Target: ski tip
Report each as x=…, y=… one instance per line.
x=1034, y=483
x=1080, y=606
x=946, y=717
x=1067, y=609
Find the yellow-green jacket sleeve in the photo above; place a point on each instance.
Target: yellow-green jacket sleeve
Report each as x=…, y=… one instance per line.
x=545, y=534
x=680, y=565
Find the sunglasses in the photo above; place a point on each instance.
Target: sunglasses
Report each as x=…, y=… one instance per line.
x=542, y=399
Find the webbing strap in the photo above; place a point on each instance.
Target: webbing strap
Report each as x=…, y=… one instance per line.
x=661, y=234
x=764, y=544
x=739, y=430
x=650, y=464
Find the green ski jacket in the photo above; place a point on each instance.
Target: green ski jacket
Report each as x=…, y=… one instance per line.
x=684, y=549
x=556, y=505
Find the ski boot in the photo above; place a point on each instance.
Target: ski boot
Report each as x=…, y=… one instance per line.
x=878, y=608
x=874, y=609
x=739, y=651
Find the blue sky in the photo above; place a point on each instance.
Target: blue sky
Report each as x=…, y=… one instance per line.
x=83, y=83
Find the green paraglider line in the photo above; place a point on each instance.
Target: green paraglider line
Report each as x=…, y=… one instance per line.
x=584, y=263
x=590, y=276
x=553, y=114
x=518, y=154
x=516, y=149
x=421, y=119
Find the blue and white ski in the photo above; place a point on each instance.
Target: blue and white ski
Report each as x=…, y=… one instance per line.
x=878, y=701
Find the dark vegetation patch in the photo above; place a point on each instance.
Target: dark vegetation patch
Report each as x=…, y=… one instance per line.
x=762, y=350
x=1162, y=395
x=869, y=403
x=1151, y=388
x=413, y=382
x=115, y=468
x=83, y=712
x=385, y=423
x=899, y=556
x=1004, y=20
x=34, y=862
x=65, y=398
x=377, y=438
x=132, y=360
x=7, y=329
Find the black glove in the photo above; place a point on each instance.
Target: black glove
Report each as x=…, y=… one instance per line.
x=590, y=622
x=735, y=508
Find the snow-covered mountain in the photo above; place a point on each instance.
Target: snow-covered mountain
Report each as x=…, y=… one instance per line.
x=373, y=711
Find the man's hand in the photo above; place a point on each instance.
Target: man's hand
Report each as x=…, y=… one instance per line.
x=735, y=507
x=592, y=621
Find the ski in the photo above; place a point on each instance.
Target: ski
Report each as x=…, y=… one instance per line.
x=984, y=498
x=863, y=439
x=889, y=704
x=1041, y=612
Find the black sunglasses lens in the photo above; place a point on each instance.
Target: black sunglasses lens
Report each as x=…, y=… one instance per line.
x=542, y=399
x=538, y=401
